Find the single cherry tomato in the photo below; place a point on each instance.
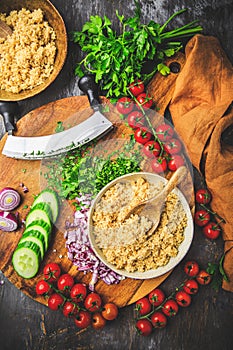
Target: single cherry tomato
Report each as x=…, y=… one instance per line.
x=136, y=119
x=159, y=165
x=191, y=268
x=110, y=311
x=212, y=230
x=203, y=196
x=70, y=309
x=143, y=306
x=124, y=105
x=83, y=319
x=203, y=277
x=164, y=132
x=93, y=302
x=43, y=288
x=144, y=327
x=65, y=282
x=175, y=162
x=98, y=321
x=201, y=217
x=156, y=297
x=183, y=299
x=142, y=135
x=137, y=87
x=159, y=320
x=151, y=149
x=144, y=100
x=170, y=308
x=172, y=146
x=78, y=292
x=190, y=287
x=55, y=301
x=51, y=272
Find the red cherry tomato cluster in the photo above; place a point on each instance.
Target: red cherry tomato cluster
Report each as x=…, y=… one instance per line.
x=85, y=307
x=154, y=310
x=204, y=217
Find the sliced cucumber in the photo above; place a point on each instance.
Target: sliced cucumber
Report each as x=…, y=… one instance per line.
x=26, y=259
x=50, y=197
x=41, y=211
x=42, y=227
x=35, y=237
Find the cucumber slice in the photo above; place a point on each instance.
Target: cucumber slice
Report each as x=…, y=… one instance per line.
x=41, y=211
x=26, y=259
x=35, y=237
x=50, y=197
x=42, y=227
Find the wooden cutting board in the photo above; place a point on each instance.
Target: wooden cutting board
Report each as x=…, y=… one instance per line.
x=13, y=173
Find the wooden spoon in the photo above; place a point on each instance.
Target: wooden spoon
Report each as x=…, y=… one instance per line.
x=155, y=205
x=5, y=30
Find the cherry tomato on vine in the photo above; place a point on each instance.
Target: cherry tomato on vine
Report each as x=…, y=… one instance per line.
x=191, y=268
x=65, y=282
x=70, y=309
x=124, y=105
x=144, y=327
x=183, y=299
x=144, y=100
x=190, y=287
x=164, y=132
x=175, y=162
x=156, y=297
x=98, y=321
x=43, y=288
x=136, y=119
x=151, y=149
x=137, y=87
x=172, y=146
x=51, y=272
x=143, y=306
x=142, y=135
x=83, y=319
x=203, y=277
x=212, y=230
x=78, y=292
x=55, y=301
x=170, y=308
x=159, y=165
x=201, y=217
x=93, y=302
x=158, y=320
x=203, y=196
x=110, y=311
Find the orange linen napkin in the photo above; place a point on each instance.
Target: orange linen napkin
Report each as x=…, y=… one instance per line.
x=200, y=113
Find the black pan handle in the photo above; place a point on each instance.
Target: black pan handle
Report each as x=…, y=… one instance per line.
x=9, y=110
x=89, y=87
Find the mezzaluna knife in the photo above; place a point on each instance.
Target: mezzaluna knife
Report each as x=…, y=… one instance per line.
x=40, y=147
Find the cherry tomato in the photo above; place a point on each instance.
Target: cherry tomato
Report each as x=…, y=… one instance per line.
x=156, y=297
x=83, y=319
x=144, y=327
x=70, y=309
x=191, y=268
x=143, y=306
x=172, y=146
x=142, y=135
x=203, y=277
x=159, y=165
x=164, y=132
x=110, y=311
x=43, y=288
x=137, y=87
x=175, y=162
x=201, y=217
x=65, y=282
x=159, y=320
x=170, y=308
x=212, y=230
x=144, y=100
x=51, y=272
x=183, y=299
x=93, y=302
x=124, y=105
x=78, y=292
x=151, y=149
x=55, y=301
x=190, y=287
x=203, y=196
x=136, y=119
x=98, y=321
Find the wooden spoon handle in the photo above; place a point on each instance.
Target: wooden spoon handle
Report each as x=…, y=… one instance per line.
x=175, y=179
x=4, y=29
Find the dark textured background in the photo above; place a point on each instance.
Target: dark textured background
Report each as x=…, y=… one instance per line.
x=207, y=323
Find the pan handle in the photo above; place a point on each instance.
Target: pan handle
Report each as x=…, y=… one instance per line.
x=9, y=110
x=89, y=87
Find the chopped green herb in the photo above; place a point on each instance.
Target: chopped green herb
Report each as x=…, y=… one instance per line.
x=59, y=127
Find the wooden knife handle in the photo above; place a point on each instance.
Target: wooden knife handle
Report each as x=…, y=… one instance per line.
x=89, y=87
x=9, y=110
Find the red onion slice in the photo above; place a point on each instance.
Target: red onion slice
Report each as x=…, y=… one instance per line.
x=9, y=199
x=8, y=221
